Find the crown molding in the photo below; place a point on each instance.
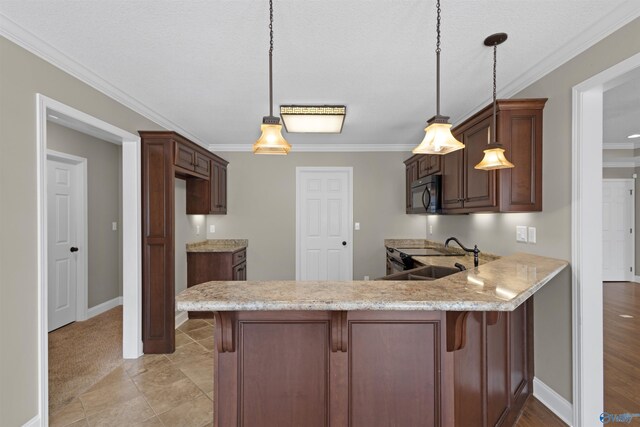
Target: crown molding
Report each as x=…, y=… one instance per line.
x=320, y=148
x=27, y=40
x=621, y=145
x=606, y=25
x=631, y=162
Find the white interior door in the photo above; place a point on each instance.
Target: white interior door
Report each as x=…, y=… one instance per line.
x=324, y=216
x=617, y=230
x=62, y=237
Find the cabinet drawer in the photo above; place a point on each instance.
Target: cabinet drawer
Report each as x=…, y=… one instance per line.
x=240, y=271
x=239, y=256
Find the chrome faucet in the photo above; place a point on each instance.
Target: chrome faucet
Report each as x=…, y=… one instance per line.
x=475, y=249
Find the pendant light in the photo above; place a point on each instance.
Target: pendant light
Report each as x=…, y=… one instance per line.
x=271, y=141
x=438, y=138
x=494, y=154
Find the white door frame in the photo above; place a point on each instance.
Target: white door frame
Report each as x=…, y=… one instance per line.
x=632, y=218
x=131, y=233
x=586, y=241
x=349, y=171
x=82, y=231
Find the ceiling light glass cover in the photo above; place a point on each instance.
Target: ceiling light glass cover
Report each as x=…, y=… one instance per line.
x=494, y=157
x=313, y=119
x=438, y=138
x=271, y=140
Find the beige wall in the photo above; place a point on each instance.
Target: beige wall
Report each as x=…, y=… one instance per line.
x=496, y=233
x=261, y=208
x=185, y=232
x=104, y=206
x=22, y=75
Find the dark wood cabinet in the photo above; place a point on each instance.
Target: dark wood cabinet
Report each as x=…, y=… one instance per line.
x=166, y=156
x=410, y=176
x=466, y=189
x=428, y=165
x=209, y=196
x=372, y=368
x=207, y=266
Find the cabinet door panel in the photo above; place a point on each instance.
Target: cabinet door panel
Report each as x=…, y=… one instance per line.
x=184, y=156
x=497, y=371
x=468, y=373
x=411, y=172
x=452, y=180
x=480, y=185
x=201, y=165
x=284, y=373
x=394, y=369
x=521, y=186
x=518, y=346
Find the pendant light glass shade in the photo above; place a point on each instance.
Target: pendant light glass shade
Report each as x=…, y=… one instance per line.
x=438, y=139
x=494, y=159
x=271, y=141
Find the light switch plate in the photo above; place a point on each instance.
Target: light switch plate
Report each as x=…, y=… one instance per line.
x=366, y=277
x=430, y=229
x=114, y=226
x=532, y=234
x=356, y=226
x=212, y=228
x=197, y=229
x=521, y=233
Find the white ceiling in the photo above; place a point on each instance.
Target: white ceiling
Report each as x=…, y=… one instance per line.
x=200, y=66
x=622, y=113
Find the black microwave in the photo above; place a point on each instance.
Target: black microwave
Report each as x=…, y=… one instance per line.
x=426, y=195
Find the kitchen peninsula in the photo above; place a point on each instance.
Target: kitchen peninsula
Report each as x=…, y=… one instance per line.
x=455, y=351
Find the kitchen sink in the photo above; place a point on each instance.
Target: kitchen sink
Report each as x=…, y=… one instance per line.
x=430, y=272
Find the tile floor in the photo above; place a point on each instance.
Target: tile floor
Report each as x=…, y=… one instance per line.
x=170, y=390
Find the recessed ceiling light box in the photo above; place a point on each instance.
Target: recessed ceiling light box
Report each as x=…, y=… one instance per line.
x=313, y=118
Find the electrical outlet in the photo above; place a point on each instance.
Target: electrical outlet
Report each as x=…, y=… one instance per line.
x=521, y=233
x=430, y=229
x=212, y=228
x=356, y=226
x=197, y=229
x=532, y=234
x=366, y=277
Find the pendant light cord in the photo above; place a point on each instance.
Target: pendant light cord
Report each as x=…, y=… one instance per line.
x=495, y=61
x=438, y=59
x=270, y=57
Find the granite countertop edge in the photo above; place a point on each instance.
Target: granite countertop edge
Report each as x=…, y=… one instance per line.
x=436, y=295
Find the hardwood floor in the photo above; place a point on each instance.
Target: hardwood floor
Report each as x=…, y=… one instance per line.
x=535, y=414
x=621, y=347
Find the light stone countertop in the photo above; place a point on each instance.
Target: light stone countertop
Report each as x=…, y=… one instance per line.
x=500, y=285
x=218, y=245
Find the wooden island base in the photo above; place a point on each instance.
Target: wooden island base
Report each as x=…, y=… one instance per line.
x=372, y=368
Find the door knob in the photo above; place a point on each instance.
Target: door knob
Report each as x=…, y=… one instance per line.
x=344, y=243
x=73, y=249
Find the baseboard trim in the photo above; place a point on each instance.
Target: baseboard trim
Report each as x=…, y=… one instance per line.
x=552, y=400
x=181, y=317
x=105, y=306
x=33, y=422
x=636, y=279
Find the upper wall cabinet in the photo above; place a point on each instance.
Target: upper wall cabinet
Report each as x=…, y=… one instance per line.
x=466, y=189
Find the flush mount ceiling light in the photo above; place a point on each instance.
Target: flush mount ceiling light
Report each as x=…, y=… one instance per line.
x=313, y=118
x=494, y=154
x=271, y=140
x=635, y=135
x=438, y=138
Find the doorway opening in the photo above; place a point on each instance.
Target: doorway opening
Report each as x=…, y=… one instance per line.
x=48, y=108
x=587, y=238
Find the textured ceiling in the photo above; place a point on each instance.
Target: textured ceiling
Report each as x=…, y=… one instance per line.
x=202, y=64
x=622, y=112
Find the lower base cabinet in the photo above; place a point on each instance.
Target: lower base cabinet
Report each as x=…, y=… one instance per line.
x=372, y=368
